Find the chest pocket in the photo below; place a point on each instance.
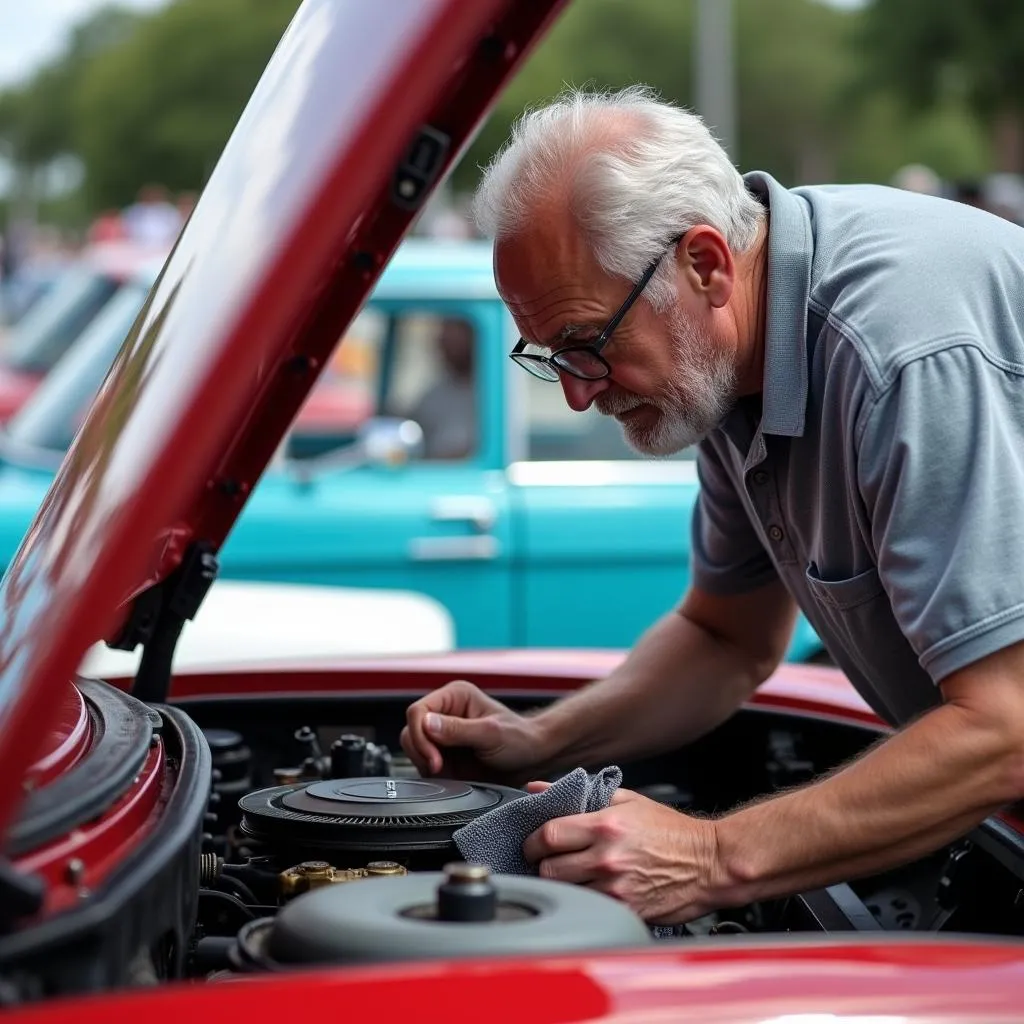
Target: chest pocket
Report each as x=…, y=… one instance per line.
x=855, y=619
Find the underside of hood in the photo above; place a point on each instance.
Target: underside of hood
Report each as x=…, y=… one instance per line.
x=359, y=114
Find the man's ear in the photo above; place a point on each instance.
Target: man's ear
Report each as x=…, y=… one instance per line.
x=707, y=263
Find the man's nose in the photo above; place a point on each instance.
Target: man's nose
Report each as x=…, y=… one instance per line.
x=580, y=393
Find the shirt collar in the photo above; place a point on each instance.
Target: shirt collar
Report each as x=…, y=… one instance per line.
x=790, y=250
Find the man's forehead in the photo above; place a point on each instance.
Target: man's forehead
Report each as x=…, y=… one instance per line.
x=555, y=313
x=536, y=268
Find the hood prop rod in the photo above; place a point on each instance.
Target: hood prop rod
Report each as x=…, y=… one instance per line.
x=158, y=618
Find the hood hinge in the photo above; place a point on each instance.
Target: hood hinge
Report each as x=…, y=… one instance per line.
x=158, y=616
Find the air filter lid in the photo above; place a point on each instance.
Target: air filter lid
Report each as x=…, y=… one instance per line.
x=369, y=813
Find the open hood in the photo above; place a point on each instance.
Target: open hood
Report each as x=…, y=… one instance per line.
x=361, y=110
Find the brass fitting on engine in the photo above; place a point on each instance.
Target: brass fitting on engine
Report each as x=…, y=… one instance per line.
x=384, y=869
x=312, y=874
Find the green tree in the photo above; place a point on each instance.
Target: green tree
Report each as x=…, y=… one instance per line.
x=790, y=58
x=37, y=118
x=599, y=43
x=804, y=113
x=948, y=51
x=161, y=106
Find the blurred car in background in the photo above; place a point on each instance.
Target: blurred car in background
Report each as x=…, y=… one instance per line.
x=255, y=625
x=424, y=461
x=66, y=306
x=19, y=294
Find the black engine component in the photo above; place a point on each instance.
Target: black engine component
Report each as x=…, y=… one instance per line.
x=389, y=919
x=136, y=927
x=467, y=894
x=122, y=727
x=232, y=771
x=348, y=757
x=384, y=816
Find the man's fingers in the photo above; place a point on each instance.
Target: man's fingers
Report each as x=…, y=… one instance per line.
x=425, y=754
x=558, y=836
x=578, y=868
x=457, y=714
x=459, y=698
x=416, y=750
x=537, y=787
x=448, y=731
x=454, y=698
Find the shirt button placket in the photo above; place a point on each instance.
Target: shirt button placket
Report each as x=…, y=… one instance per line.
x=766, y=501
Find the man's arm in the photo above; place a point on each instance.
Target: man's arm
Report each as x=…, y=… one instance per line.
x=687, y=674
x=908, y=796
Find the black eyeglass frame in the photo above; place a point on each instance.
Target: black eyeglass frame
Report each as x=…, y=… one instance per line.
x=534, y=362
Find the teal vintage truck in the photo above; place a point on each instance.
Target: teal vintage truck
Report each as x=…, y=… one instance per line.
x=427, y=462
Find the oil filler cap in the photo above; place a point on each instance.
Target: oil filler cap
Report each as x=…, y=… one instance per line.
x=467, y=893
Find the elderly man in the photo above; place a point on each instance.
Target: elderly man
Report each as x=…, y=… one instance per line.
x=850, y=361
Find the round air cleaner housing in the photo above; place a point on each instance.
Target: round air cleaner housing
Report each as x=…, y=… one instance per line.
x=368, y=815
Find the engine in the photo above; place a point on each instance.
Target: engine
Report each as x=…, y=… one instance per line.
x=226, y=837
x=340, y=866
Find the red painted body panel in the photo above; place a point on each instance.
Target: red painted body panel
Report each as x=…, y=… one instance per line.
x=805, y=689
x=103, y=844
x=909, y=981
x=251, y=303
x=66, y=742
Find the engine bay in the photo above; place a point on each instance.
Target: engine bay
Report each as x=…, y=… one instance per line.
x=291, y=831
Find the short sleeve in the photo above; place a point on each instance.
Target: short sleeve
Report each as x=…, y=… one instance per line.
x=940, y=466
x=728, y=556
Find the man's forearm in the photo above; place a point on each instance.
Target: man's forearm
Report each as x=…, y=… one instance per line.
x=677, y=683
x=906, y=797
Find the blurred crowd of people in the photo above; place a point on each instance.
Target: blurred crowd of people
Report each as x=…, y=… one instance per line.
x=153, y=220
x=1001, y=194
x=32, y=255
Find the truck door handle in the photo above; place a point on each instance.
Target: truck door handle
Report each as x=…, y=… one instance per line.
x=476, y=548
x=478, y=511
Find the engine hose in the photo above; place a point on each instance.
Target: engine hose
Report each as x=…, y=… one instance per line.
x=238, y=888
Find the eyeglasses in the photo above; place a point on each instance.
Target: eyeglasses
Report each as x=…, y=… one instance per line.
x=582, y=360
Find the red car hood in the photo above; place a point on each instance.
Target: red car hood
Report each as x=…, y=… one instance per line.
x=306, y=205
x=819, y=982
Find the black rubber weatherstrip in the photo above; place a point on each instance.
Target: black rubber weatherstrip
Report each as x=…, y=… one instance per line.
x=161, y=873
x=122, y=733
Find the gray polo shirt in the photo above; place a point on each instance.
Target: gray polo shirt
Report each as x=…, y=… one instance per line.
x=881, y=474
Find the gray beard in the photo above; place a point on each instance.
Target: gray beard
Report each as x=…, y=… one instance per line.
x=690, y=403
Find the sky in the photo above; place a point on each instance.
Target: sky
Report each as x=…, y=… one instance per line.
x=32, y=31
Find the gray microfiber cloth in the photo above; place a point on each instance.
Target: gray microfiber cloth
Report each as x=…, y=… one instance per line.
x=496, y=838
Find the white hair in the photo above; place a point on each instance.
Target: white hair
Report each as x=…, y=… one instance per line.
x=631, y=193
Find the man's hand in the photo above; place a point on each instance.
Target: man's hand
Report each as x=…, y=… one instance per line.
x=459, y=732
x=658, y=861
